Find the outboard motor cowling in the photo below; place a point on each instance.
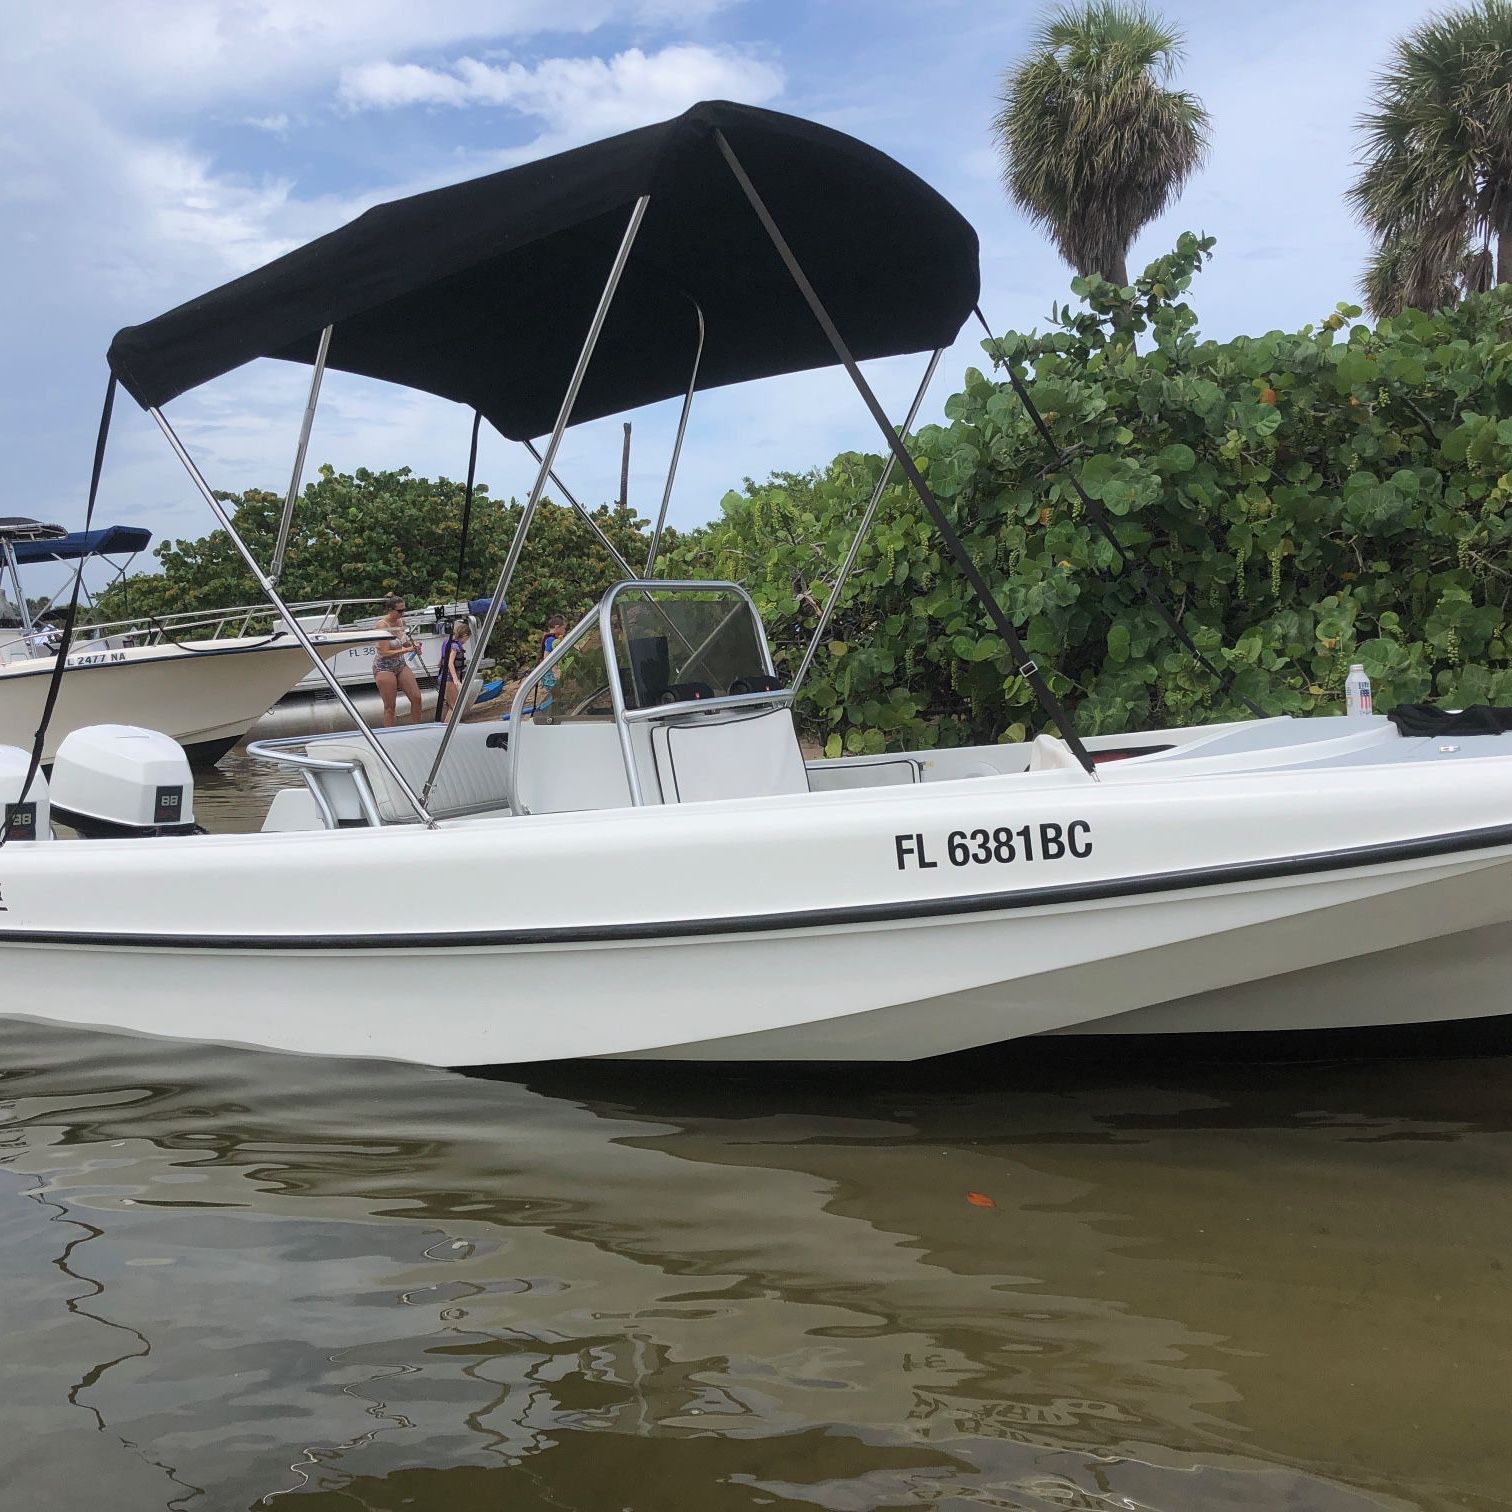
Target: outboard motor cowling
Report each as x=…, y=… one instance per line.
x=115, y=779
x=26, y=818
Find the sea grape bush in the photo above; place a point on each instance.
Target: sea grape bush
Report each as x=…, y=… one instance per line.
x=365, y=534
x=1302, y=500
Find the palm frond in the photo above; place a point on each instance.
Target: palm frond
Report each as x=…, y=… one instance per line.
x=1401, y=274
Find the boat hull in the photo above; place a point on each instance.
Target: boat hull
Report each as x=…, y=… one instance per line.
x=825, y=948
x=304, y=713
x=205, y=697
x=310, y=714
x=1305, y=963
x=354, y=666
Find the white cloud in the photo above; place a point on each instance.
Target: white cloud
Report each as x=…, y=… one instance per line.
x=586, y=96
x=391, y=86
x=191, y=209
x=175, y=55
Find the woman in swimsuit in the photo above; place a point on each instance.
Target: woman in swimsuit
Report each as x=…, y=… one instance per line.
x=391, y=669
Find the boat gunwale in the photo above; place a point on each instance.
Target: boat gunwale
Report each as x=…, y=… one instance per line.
x=115, y=657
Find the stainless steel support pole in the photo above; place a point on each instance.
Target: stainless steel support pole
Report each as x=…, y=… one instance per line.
x=276, y=571
x=517, y=545
x=587, y=518
x=682, y=428
x=295, y=628
x=21, y=609
x=617, y=702
x=1025, y=664
x=865, y=526
x=610, y=547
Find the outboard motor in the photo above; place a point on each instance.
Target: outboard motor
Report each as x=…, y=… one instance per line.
x=112, y=779
x=25, y=818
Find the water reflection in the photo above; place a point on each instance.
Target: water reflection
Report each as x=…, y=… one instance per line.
x=232, y=1277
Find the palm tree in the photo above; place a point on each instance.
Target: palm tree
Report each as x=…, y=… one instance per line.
x=1435, y=185
x=1094, y=145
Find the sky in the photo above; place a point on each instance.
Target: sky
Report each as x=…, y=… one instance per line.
x=152, y=151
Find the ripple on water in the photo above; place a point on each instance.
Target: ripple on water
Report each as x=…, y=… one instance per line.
x=230, y=1275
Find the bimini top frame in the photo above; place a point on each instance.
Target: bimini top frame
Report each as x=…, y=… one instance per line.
x=25, y=543
x=795, y=245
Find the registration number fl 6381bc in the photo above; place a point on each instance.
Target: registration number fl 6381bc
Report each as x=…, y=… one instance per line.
x=1046, y=841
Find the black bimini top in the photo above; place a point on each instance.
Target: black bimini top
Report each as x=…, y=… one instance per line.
x=483, y=292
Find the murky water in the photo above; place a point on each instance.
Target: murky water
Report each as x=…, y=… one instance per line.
x=233, y=796
x=1028, y=1282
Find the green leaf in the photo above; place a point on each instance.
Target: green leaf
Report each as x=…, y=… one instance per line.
x=1098, y=471
x=1456, y=444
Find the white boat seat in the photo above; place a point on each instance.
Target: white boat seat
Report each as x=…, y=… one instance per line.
x=571, y=766
x=705, y=757
x=473, y=779
x=1048, y=753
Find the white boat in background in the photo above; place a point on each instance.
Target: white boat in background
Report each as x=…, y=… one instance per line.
x=204, y=693
x=309, y=707
x=428, y=628
x=649, y=868
x=352, y=668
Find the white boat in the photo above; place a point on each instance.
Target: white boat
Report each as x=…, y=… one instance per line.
x=306, y=708
x=353, y=668
x=309, y=709
x=649, y=868
x=205, y=694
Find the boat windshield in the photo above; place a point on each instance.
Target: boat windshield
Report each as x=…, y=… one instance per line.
x=579, y=687
x=676, y=644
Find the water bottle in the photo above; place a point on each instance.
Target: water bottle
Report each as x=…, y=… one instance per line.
x=1357, y=691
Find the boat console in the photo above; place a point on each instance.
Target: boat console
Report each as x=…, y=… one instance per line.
x=665, y=692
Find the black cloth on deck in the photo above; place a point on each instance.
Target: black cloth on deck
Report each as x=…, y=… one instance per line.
x=1425, y=719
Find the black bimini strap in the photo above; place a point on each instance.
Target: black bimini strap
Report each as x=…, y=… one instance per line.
x=1099, y=517
x=467, y=498
x=1027, y=668
x=56, y=680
